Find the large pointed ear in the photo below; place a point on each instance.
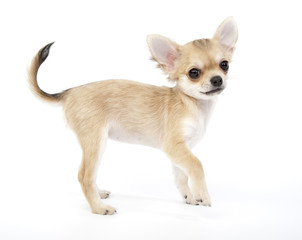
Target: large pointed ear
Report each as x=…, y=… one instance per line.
x=227, y=34
x=164, y=51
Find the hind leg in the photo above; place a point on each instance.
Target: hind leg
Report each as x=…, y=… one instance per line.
x=93, y=146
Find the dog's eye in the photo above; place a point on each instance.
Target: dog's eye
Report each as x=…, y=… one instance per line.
x=224, y=65
x=194, y=73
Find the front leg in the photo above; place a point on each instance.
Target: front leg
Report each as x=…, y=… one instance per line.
x=181, y=181
x=183, y=158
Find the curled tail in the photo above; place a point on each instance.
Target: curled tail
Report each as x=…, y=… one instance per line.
x=32, y=76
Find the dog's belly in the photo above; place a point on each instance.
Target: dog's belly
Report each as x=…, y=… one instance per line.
x=120, y=134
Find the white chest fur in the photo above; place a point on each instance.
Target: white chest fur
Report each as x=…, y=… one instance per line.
x=194, y=126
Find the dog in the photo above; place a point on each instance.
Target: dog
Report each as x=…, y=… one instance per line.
x=172, y=119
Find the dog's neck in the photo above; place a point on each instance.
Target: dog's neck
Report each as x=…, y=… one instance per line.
x=202, y=104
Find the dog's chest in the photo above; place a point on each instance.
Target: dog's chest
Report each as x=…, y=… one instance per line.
x=194, y=125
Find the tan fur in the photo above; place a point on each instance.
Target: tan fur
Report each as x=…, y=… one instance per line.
x=160, y=117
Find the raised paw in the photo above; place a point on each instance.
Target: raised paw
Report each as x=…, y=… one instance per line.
x=104, y=194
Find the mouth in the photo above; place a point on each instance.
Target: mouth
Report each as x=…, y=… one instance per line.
x=213, y=92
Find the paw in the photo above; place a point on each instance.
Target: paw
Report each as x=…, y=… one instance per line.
x=104, y=194
x=189, y=199
x=104, y=210
x=204, y=201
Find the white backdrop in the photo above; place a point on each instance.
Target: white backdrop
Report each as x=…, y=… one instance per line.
x=251, y=152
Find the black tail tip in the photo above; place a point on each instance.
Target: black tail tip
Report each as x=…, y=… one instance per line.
x=44, y=52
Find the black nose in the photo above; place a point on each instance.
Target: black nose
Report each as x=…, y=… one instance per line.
x=216, y=81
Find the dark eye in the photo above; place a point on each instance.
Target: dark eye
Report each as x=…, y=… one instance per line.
x=194, y=73
x=224, y=65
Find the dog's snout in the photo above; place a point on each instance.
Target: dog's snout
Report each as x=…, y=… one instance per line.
x=216, y=81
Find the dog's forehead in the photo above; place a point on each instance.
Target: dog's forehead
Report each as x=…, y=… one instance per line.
x=203, y=52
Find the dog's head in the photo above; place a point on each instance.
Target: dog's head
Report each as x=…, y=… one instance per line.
x=199, y=68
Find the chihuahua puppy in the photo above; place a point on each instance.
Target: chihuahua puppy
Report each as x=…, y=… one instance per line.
x=171, y=119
